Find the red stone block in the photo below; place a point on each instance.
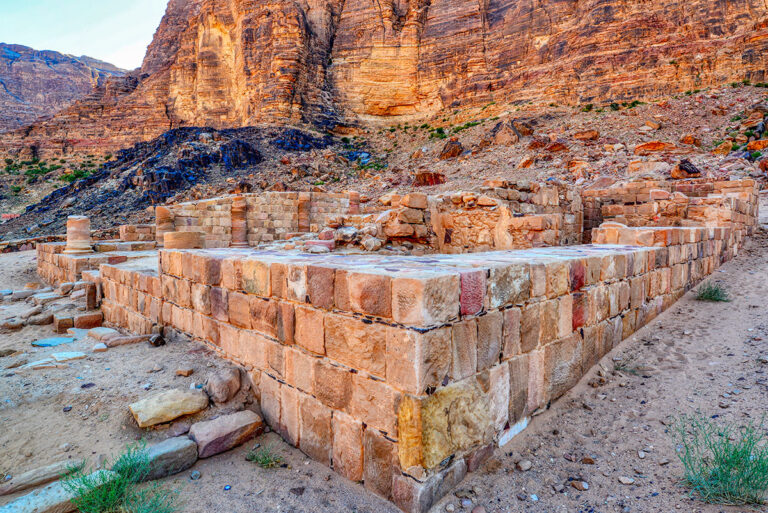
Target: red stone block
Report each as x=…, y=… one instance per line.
x=472, y=292
x=370, y=294
x=320, y=286
x=263, y=315
x=578, y=274
x=89, y=320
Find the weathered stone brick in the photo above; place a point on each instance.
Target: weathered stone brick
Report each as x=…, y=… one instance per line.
x=464, y=349
x=320, y=286
x=374, y=402
x=530, y=327
x=489, y=339
x=511, y=333
x=263, y=314
x=425, y=301
x=289, y=426
x=509, y=285
x=239, y=310
x=255, y=277
x=380, y=463
x=316, y=436
x=220, y=304
x=370, y=293
x=347, y=446
x=473, y=289
x=300, y=370
x=416, y=360
x=356, y=343
x=332, y=384
x=309, y=330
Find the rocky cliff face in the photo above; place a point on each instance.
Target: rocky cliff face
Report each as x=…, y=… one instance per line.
x=231, y=63
x=37, y=83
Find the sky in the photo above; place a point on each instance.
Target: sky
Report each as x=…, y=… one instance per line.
x=115, y=31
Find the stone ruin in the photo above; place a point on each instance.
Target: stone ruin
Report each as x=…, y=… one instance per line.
x=400, y=341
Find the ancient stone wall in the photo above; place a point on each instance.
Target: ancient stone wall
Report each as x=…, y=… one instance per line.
x=270, y=216
x=385, y=367
x=694, y=202
x=55, y=267
x=137, y=232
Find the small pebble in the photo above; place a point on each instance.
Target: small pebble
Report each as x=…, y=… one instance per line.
x=450, y=508
x=194, y=475
x=524, y=465
x=626, y=480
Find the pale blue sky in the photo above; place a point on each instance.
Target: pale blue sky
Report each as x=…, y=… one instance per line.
x=116, y=31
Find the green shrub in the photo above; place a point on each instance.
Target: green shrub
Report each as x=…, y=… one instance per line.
x=438, y=133
x=466, y=125
x=264, y=457
x=121, y=491
x=712, y=292
x=15, y=189
x=724, y=464
x=757, y=154
x=615, y=106
x=588, y=108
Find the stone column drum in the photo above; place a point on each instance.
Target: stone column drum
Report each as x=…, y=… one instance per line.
x=239, y=224
x=163, y=223
x=78, y=235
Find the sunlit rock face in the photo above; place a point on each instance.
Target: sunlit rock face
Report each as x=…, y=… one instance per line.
x=232, y=63
x=35, y=83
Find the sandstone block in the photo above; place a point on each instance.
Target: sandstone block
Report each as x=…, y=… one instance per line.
x=299, y=370
x=380, y=463
x=511, y=333
x=425, y=301
x=223, y=385
x=355, y=343
x=309, y=329
x=290, y=416
x=347, y=446
x=316, y=436
x=239, y=310
x=332, y=384
x=166, y=406
x=373, y=402
x=88, y=320
x=416, y=360
x=562, y=361
x=369, y=294
x=509, y=285
x=320, y=286
x=464, y=349
x=170, y=457
x=472, y=295
x=226, y=432
x=489, y=339
x=256, y=278
x=454, y=419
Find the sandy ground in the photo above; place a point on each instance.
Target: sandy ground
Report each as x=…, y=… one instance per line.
x=696, y=358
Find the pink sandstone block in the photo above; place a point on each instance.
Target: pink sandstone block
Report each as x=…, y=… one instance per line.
x=332, y=384
x=300, y=370
x=320, y=286
x=356, y=343
x=473, y=289
x=239, y=310
x=374, y=402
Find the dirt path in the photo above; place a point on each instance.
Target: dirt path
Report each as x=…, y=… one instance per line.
x=695, y=358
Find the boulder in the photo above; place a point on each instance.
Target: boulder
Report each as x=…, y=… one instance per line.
x=654, y=147
x=587, y=135
x=166, y=406
x=35, y=477
x=452, y=149
x=685, y=170
x=223, y=385
x=225, y=432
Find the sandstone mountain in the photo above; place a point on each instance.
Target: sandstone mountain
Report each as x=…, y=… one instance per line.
x=35, y=83
x=338, y=63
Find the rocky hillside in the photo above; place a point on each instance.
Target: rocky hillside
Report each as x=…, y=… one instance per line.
x=345, y=64
x=35, y=83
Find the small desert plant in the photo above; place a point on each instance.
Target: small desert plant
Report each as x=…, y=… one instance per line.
x=588, y=108
x=264, y=457
x=712, y=292
x=724, y=464
x=119, y=491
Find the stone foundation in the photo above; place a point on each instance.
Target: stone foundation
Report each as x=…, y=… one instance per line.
x=404, y=372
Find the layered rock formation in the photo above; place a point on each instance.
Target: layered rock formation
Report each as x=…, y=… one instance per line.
x=37, y=83
x=229, y=63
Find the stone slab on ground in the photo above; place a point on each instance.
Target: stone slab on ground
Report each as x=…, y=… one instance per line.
x=35, y=477
x=53, y=341
x=71, y=355
x=51, y=499
x=171, y=457
x=225, y=432
x=166, y=406
x=101, y=333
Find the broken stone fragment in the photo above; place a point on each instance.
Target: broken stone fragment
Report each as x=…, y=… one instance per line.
x=223, y=385
x=101, y=333
x=166, y=406
x=225, y=432
x=54, y=498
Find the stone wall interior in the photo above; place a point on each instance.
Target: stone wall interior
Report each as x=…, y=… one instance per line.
x=404, y=369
